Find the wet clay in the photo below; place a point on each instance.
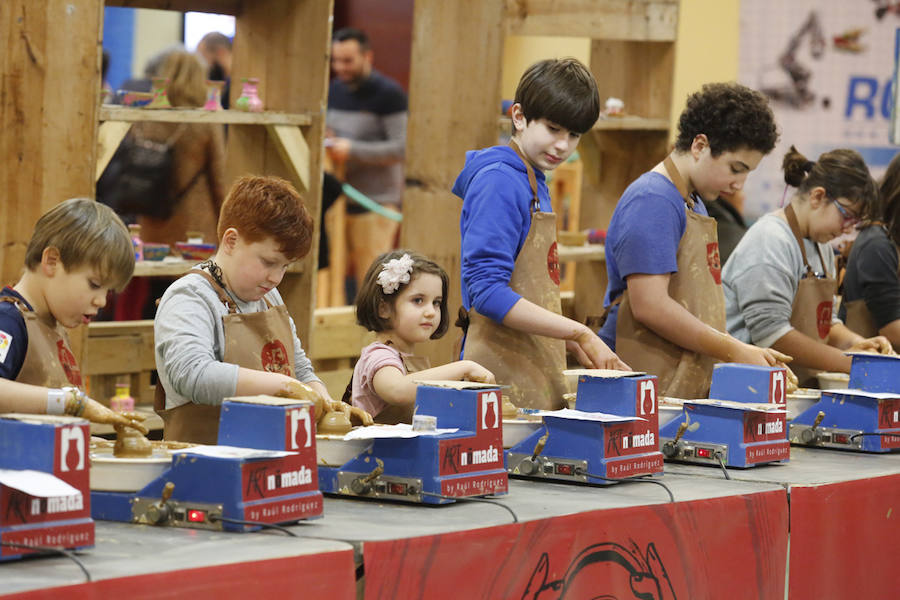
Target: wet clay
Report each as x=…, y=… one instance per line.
x=334, y=423
x=131, y=444
x=509, y=409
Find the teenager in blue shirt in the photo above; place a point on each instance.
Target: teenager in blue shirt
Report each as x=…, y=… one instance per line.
x=509, y=264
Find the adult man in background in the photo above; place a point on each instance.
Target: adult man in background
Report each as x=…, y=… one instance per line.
x=367, y=136
x=215, y=48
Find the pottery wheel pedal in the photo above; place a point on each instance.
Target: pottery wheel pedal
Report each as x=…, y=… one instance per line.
x=454, y=450
x=44, y=487
x=863, y=418
x=263, y=471
x=611, y=434
x=742, y=424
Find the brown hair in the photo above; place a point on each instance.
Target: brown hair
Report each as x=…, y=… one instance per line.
x=731, y=116
x=267, y=207
x=371, y=296
x=86, y=233
x=842, y=173
x=561, y=90
x=889, y=199
x=187, y=79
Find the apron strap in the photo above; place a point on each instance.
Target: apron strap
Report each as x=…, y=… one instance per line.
x=791, y=217
x=532, y=178
x=677, y=180
x=15, y=301
x=220, y=291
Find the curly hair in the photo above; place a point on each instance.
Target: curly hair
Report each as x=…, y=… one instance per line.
x=732, y=117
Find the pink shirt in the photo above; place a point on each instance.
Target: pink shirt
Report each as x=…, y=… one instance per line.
x=373, y=357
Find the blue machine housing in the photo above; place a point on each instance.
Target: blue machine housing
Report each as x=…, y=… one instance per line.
x=727, y=433
x=596, y=452
x=57, y=446
x=875, y=373
x=467, y=462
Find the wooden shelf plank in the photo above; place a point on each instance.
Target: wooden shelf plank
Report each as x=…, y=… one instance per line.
x=222, y=7
x=293, y=149
x=110, y=112
x=178, y=267
x=638, y=20
x=588, y=252
x=631, y=123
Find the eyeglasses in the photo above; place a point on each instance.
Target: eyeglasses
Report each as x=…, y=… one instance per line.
x=849, y=217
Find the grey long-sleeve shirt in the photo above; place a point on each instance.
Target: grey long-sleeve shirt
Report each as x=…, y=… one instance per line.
x=760, y=280
x=190, y=343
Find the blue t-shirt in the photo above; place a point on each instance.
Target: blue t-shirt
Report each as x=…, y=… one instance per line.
x=643, y=237
x=495, y=220
x=13, y=335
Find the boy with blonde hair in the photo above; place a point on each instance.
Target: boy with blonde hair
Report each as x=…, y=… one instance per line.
x=78, y=252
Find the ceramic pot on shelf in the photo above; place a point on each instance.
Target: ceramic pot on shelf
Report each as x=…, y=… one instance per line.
x=159, y=92
x=249, y=100
x=214, y=95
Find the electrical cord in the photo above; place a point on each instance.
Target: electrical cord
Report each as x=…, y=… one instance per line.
x=214, y=518
x=639, y=479
x=879, y=434
x=471, y=499
x=721, y=460
x=50, y=551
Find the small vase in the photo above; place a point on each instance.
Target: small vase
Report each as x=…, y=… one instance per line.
x=214, y=95
x=249, y=99
x=160, y=97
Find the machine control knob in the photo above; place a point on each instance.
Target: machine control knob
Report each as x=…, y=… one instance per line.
x=157, y=514
x=529, y=466
x=810, y=436
x=360, y=487
x=671, y=450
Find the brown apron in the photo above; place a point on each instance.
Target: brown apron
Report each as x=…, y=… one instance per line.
x=532, y=365
x=49, y=361
x=697, y=285
x=262, y=341
x=813, y=302
x=393, y=414
x=859, y=319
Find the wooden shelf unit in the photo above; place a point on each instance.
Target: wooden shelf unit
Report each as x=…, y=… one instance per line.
x=109, y=112
x=455, y=95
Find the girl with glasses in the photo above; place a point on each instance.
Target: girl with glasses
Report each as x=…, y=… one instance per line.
x=780, y=282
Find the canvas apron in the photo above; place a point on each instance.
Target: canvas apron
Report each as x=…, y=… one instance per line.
x=532, y=365
x=859, y=319
x=261, y=341
x=813, y=302
x=49, y=361
x=697, y=286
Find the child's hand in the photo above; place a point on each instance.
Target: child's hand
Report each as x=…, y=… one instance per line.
x=475, y=372
x=97, y=413
x=360, y=417
x=879, y=344
x=765, y=357
x=592, y=353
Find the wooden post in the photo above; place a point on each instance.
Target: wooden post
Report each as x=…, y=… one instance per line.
x=49, y=100
x=286, y=44
x=454, y=102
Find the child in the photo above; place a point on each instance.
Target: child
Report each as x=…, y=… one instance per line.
x=871, y=303
x=665, y=307
x=509, y=267
x=403, y=299
x=223, y=330
x=78, y=252
x=780, y=281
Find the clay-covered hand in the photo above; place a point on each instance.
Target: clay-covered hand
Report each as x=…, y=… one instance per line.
x=754, y=355
x=301, y=391
x=359, y=416
x=97, y=413
x=792, y=384
x=592, y=353
x=475, y=372
x=879, y=344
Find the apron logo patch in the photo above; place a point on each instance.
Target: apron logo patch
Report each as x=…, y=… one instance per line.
x=823, y=319
x=553, y=263
x=715, y=264
x=5, y=342
x=274, y=358
x=67, y=360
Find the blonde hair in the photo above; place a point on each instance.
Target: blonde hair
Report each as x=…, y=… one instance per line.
x=187, y=79
x=85, y=233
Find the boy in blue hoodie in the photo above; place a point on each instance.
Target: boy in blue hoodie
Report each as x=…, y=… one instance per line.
x=509, y=264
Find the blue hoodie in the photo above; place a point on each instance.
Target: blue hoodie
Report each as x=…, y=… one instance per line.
x=496, y=218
